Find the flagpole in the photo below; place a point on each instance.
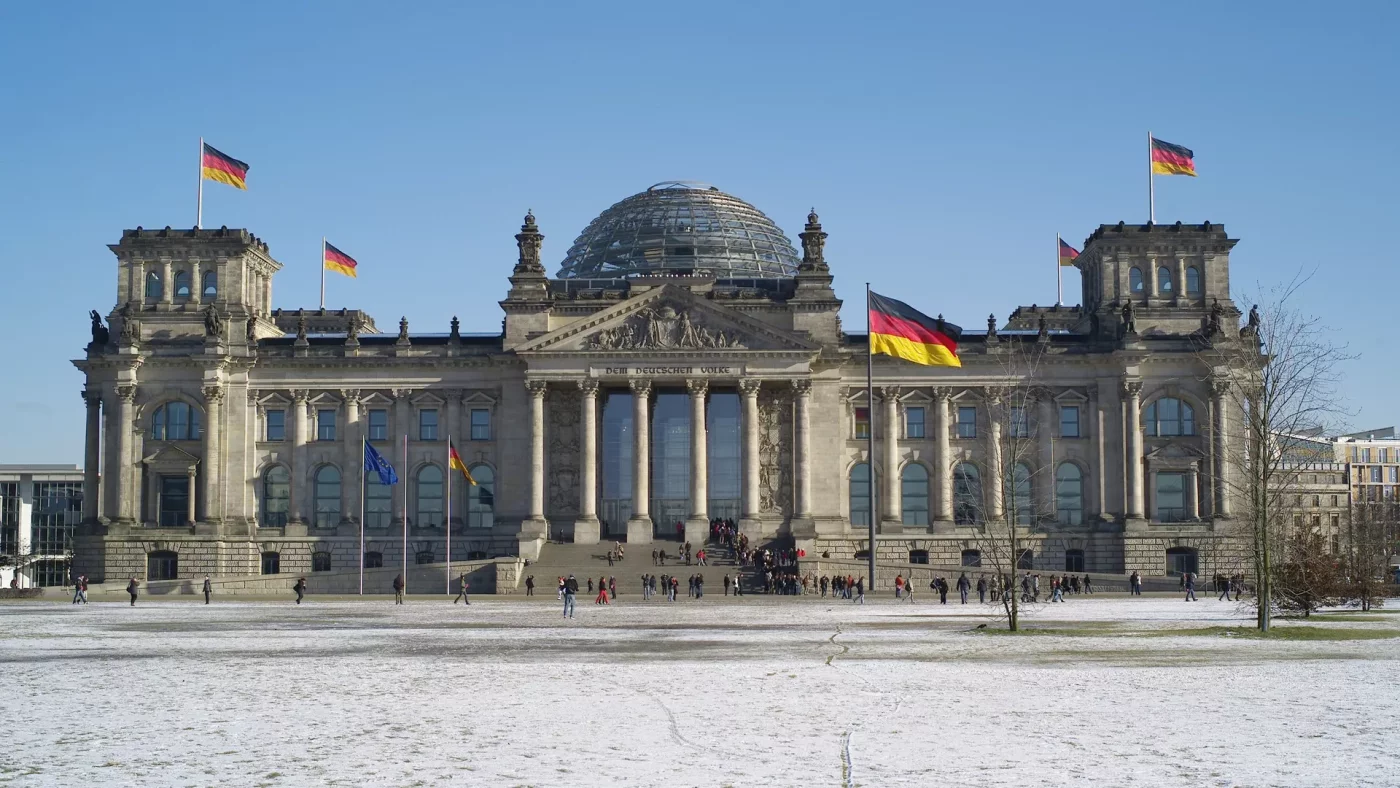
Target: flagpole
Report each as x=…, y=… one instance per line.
x=364, y=489
x=449, y=513
x=870, y=437
x=1151, y=192
x=405, y=516
x=323, y=272
x=1059, y=277
x=199, y=204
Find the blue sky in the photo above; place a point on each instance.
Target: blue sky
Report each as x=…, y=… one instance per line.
x=944, y=145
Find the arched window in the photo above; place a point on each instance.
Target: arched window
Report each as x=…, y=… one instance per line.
x=1018, y=494
x=175, y=421
x=1169, y=417
x=914, y=494
x=272, y=563
x=972, y=558
x=374, y=559
x=430, y=497
x=277, y=495
x=1193, y=281
x=154, y=287
x=210, y=284
x=1135, y=281
x=379, y=502
x=1181, y=560
x=1074, y=560
x=967, y=494
x=1026, y=560
x=321, y=562
x=162, y=565
x=1069, y=494
x=1164, y=281
x=424, y=557
x=481, y=498
x=918, y=556
x=327, y=497
x=860, y=494
x=182, y=284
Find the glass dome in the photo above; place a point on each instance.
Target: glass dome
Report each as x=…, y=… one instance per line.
x=681, y=227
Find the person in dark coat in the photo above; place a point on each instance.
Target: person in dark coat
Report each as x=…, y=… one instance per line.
x=208, y=589
x=981, y=589
x=398, y=589
x=462, y=593
x=300, y=588
x=132, y=588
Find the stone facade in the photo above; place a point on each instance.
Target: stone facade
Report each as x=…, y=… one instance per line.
x=1116, y=438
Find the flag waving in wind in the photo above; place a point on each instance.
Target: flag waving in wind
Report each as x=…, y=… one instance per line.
x=454, y=460
x=900, y=330
x=375, y=462
x=1067, y=253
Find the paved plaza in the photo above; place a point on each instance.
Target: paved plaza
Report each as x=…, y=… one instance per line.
x=763, y=691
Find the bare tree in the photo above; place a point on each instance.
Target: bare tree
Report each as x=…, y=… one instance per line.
x=1373, y=534
x=1307, y=577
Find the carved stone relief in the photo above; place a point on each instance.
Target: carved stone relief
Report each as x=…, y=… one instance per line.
x=775, y=446
x=664, y=328
x=563, y=453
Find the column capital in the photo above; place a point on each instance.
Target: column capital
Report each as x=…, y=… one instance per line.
x=697, y=386
x=1219, y=386
x=589, y=387
x=400, y=394
x=351, y=396
x=126, y=393
x=92, y=396
x=300, y=395
x=537, y=388
x=1131, y=388
x=942, y=393
x=213, y=393
x=750, y=386
x=640, y=387
x=889, y=393
x=802, y=387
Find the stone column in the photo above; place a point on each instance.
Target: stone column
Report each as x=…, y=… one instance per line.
x=350, y=487
x=1220, y=400
x=1181, y=294
x=995, y=477
x=748, y=390
x=213, y=455
x=190, y=513
x=537, y=390
x=124, y=476
x=697, y=526
x=1101, y=472
x=300, y=470
x=1132, y=402
x=942, y=458
x=803, y=391
x=889, y=397
x=167, y=290
x=403, y=425
x=92, y=456
x=586, y=526
x=1193, y=495
x=639, y=526
x=1043, y=493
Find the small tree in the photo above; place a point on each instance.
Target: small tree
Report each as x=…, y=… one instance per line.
x=1370, y=542
x=1307, y=577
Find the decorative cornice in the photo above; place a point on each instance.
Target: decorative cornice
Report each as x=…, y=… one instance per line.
x=802, y=388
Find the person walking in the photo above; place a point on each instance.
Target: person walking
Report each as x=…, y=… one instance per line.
x=860, y=590
x=964, y=585
x=208, y=589
x=530, y=586
x=82, y=589
x=132, y=588
x=942, y=591
x=1135, y=584
x=568, y=590
x=77, y=589
x=463, y=585
x=982, y=589
x=1088, y=584
x=1224, y=584
x=1188, y=579
x=398, y=589
x=610, y=558
x=300, y=588
x=653, y=558
x=899, y=586
x=612, y=587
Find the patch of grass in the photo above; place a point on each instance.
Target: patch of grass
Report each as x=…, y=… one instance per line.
x=1356, y=616
x=1279, y=633
x=1088, y=631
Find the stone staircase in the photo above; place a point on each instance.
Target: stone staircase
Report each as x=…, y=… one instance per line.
x=583, y=561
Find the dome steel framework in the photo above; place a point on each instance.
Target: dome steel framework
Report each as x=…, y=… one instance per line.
x=681, y=227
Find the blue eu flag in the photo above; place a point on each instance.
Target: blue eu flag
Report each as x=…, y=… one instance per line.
x=375, y=462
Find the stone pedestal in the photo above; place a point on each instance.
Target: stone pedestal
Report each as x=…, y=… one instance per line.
x=639, y=530
x=697, y=531
x=586, y=530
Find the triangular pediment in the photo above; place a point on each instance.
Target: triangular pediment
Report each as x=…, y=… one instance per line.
x=667, y=319
x=172, y=456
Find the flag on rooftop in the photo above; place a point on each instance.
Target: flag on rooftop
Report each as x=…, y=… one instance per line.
x=1067, y=253
x=897, y=329
x=338, y=261
x=1169, y=159
x=221, y=167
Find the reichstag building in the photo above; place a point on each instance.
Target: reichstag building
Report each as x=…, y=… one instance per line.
x=685, y=362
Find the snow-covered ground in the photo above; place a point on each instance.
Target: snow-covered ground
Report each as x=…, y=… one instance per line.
x=763, y=692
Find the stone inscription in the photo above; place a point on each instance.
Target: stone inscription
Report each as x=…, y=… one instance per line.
x=643, y=371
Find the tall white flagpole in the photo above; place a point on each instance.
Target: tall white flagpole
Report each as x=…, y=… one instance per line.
x=323, y=272
x=1151, y=192
x=199, y=204
x=364, y=488
x=449, y=513
x=1059, y=277
x=405, y=517
x=870, y=438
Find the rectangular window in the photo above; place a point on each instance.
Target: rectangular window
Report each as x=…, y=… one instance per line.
x=481, y=424
x=967, y=422
x=1334, y=501
x=1171, y=497
x=1385, y=455
x=914, y=423
x=1069, y=421
x=1336, y=522
x=1316, y=522
x=1394, y=474
x=9, y=518
x=1317, y=501
x=1366, y=455
x=862, y=423
x=378, y=425
x=325, y=425
x=276, y=425
x=1020, y=427
x=427, y=425
x=1376, y=474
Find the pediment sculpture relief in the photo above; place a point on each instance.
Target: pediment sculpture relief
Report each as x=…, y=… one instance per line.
x=663, y=328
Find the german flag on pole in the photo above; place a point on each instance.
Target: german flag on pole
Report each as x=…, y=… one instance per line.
x=454, y=461
x=1169, y=159
x=897, y=329
x=224, y=168
x=340, y=262
x=1067, y=253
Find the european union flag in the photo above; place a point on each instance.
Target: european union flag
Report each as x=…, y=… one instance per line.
x=375, y=462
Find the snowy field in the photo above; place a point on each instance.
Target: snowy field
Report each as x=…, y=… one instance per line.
x=763, y=692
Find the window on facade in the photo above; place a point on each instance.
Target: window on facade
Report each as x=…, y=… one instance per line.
x=1394, y=475
x=56, y=512
x=1376, y=474
x=153, y=285
x=913, y=422
x=481, y=498
x=1193, y=281
x=325, y=424
x=862, y=423
x=1169, y=417
x=1026, y=560
x=430, y=497
x=1316, y=522
x=374, y=559
x=1069, y=494
x=860, y=494
x=378, y=425
x=1317, y=501
x=50, y=572
x=1181, y=560
x=1020, y=427
x=424, y=557
x=272, y=563
x=327, y=497
x=481, y=424
x=1135, y=281
x=1018, y=493
x=9, y=518
x=967, y=494
x=1074, y=560
x=210, y=286
x=1336, y=522
x=1171, y=497
x=1334, y=500
x=277, y=496
x=276, y=425
x=321, y=562
x=1365, y=455
x=1069, y=421
x=379, y=502
x=427, y=425
x=175, y=421
x=162, y=565
x=173, y=507
x=1164, y=281
x=182, y=284
x=971, y=558
x=967, y=422
x=918, y=556
x=914, y=492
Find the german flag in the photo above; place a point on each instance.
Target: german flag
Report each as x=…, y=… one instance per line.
x=454, y=461
x=340, y=262
x=224, y=168
x=1067, y=253
x=897, y=329
x=1169, y=159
